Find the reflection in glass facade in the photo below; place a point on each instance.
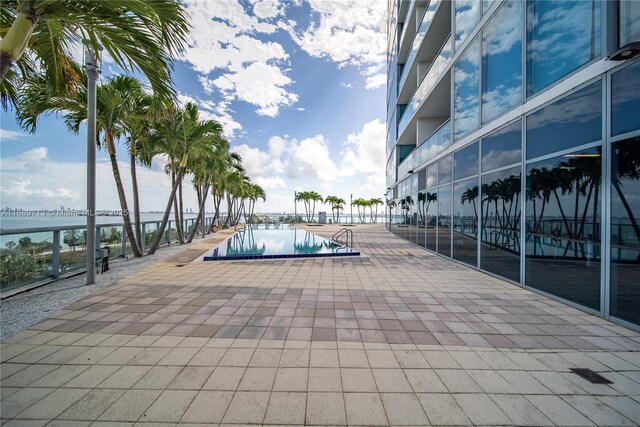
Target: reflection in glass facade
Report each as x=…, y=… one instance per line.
x=629, y=21
x=466, y=96
x=625, y=100
x=558, y=129
x=500, y=231
x=502, y=61
x=556, y=44
x=444, y=220
x=563, y=226
x=465, y=220
x=467, y=17
x=502, y=147
x=465, y=162
x=625, y=230
x=572, y=121
x=431, y=213
x=444, y=170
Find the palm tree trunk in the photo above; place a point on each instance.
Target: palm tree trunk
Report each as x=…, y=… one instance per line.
x=176, y=215
x=167, y=211
x=15, y=41
x=122, y=196
x=564, y=217
x=202, y=200
x=181, y=207
x=627, y=208
x=136, y=196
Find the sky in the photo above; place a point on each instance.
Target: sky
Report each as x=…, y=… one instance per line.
x=298, y=85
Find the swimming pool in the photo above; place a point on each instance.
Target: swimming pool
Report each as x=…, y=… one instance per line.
x=260, y=243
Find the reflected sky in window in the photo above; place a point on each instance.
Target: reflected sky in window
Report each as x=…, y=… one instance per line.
x=569, y=122
x=467, y=17
x=503, y=147
x=562, y=36
x=502, y=61
x=466, y=162
x=444, y=169
x=625, y=101
x=466, y=102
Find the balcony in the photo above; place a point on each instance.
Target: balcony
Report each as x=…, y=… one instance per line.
x=435, y=144
x=427, y=19
x=438, y=68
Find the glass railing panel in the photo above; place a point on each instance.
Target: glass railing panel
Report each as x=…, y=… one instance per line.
x=419, y=37
x=439, y=65
x=436, y=143
x=25, y=258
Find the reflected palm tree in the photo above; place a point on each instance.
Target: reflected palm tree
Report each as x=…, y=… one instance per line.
x=470, y=196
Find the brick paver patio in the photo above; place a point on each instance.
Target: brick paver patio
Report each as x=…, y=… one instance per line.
x=399, y=336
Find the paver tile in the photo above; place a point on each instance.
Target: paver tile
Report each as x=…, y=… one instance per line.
x=207, y=407
x=286, y=408
x=481, y=409
x=224, y=378
x=53, y=404
x=365, y=409
x=292, y=379
x=358, y=380
x=324, y=379
x=169, y=406
x=131, y=405
x=559, y=411
x=520, y=410
x=258, y=379
x=325, y=409
x=443, y=409
x=91, y=405
x=247, y=407
x=404, y=409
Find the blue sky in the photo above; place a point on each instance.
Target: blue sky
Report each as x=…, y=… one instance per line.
x=299, y=87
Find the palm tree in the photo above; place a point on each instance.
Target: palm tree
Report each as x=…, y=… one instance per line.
x=137, y=34
x=114, y=105
x=256, y=192
x=336, y=204
x=375, y=202
x=309, y=198
x=182, y=137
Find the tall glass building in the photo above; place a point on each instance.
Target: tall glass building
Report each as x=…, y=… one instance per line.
x=513, y=142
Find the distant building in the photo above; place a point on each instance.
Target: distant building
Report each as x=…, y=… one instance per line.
x=513, y=142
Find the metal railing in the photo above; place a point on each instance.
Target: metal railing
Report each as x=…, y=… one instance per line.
x=347, y=233
x=33, y=254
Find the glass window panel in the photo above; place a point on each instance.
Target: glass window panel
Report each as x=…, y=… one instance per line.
x=563, y=226
x=500, y=249
x=502, y=61
x=503, y=147
x=444, y=170
x=625, y=100
x=431, y=209
x=569, y=122
x=562, y=35
x=432, y=175
x=422, y=179
x=414, y=220
x=466, y=162
x=625, y=230
x=465, y=221
x=466, y=98
x=444, y=220
x=467, y=17
x=629, y=21
x=414, y=183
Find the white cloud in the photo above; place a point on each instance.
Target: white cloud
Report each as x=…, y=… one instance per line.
x=12, y=135
x=57, y=183
x=365, y=150
x=260, y=84
x=350, y=32
x=224, y=40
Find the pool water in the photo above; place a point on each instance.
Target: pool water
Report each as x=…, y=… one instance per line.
x=260, y=243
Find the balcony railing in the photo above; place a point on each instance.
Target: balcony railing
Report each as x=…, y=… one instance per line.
x=33, y=254
x=435, y=144
x=438, y=67
x=427, y=19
